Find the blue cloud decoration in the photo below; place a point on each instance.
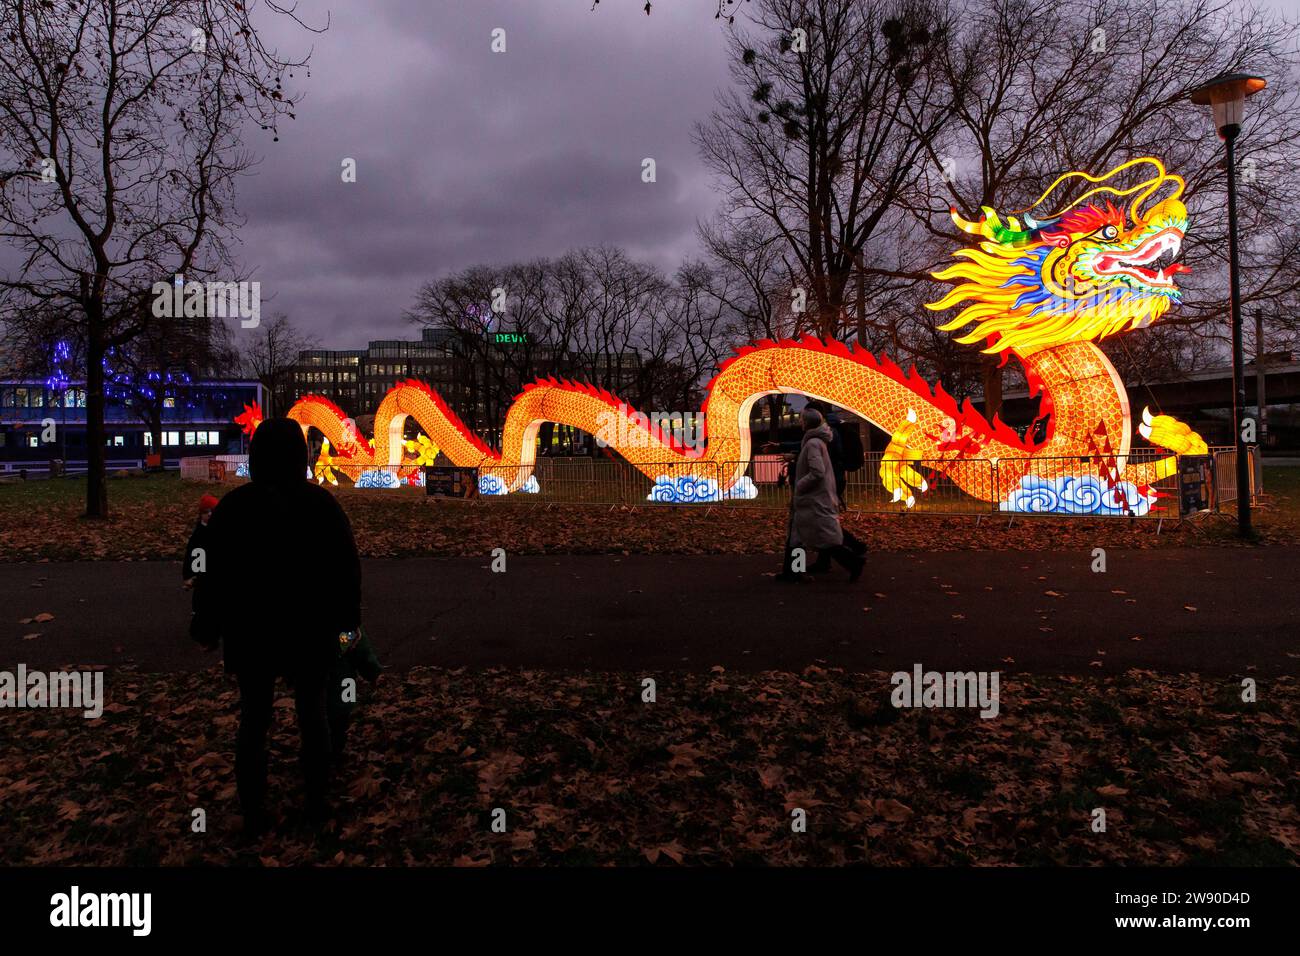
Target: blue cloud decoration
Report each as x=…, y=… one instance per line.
x=1076, y=495
x=692, y=489
x=495, y=485
x=378, y=478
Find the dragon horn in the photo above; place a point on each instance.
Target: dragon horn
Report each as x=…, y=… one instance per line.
x=965, y=225
x=990, y=227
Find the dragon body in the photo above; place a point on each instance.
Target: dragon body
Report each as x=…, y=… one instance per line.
x=1043, y=291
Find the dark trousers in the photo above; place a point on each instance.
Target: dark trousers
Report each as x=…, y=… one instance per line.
x=787, y=563
x=842, y=555
x=256, y=700
x=340, y=719
x=845, y=554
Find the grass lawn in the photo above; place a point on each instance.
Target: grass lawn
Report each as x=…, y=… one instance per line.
x=152, y=515
x=709, y=774
x=1282, y=488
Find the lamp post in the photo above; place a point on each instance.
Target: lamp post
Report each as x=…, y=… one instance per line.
x=1226, y=95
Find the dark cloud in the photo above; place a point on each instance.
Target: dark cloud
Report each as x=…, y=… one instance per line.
x=466, y=156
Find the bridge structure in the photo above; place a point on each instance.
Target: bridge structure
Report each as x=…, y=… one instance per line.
x=1203, y=399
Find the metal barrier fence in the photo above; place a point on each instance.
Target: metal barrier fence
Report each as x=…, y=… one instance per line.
x=1054, y=486
x=211, y=467
x=936, y=486
x=1061, y=485
x=1007, y=487
x=578, y=479
x=1225, y=475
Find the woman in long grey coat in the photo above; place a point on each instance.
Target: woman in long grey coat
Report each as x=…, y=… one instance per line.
x=815, y=517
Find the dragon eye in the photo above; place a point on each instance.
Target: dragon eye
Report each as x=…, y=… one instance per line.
x=1109, y=232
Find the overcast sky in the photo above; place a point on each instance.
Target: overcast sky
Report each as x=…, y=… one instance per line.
x=467, y=156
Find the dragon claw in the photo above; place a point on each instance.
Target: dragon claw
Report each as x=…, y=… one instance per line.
x=897, y=471
x=1147, y=421
x=1168, y=432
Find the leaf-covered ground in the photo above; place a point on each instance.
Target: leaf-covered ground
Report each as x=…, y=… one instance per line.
x=152, y=517
x=708, y=774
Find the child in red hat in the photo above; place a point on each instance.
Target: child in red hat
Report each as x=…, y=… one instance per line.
x=195, y=559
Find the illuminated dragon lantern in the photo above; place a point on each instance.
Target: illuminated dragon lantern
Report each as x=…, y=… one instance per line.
x=1043, y=290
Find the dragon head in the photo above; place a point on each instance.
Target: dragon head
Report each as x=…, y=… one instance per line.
x=1085, y=272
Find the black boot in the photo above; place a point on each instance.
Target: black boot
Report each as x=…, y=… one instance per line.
x=256, y=822
x=788, y=574
x=853, y=563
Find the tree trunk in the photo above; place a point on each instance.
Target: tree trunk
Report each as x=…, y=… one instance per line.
x=155, y=432
x=832, y=316
x=992, y=386
x=96, y=477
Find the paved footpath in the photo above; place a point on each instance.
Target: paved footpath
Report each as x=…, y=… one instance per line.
x=1211, y=610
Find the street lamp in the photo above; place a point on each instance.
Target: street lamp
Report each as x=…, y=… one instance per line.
x=1226, y=95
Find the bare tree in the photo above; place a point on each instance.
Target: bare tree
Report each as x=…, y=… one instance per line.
x=161, y=364
x=749, y=275
x=124, y=119
x=471, y=307
x=722, y=9
x=271, y=357
x=843, y=102
x=593, y=315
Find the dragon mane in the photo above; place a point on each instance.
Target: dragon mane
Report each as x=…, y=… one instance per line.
x=1015, y=303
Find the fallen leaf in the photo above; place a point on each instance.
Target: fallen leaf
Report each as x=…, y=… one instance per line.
x=892, y=810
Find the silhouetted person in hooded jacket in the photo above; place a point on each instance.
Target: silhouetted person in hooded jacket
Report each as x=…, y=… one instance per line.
x=283, y=580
